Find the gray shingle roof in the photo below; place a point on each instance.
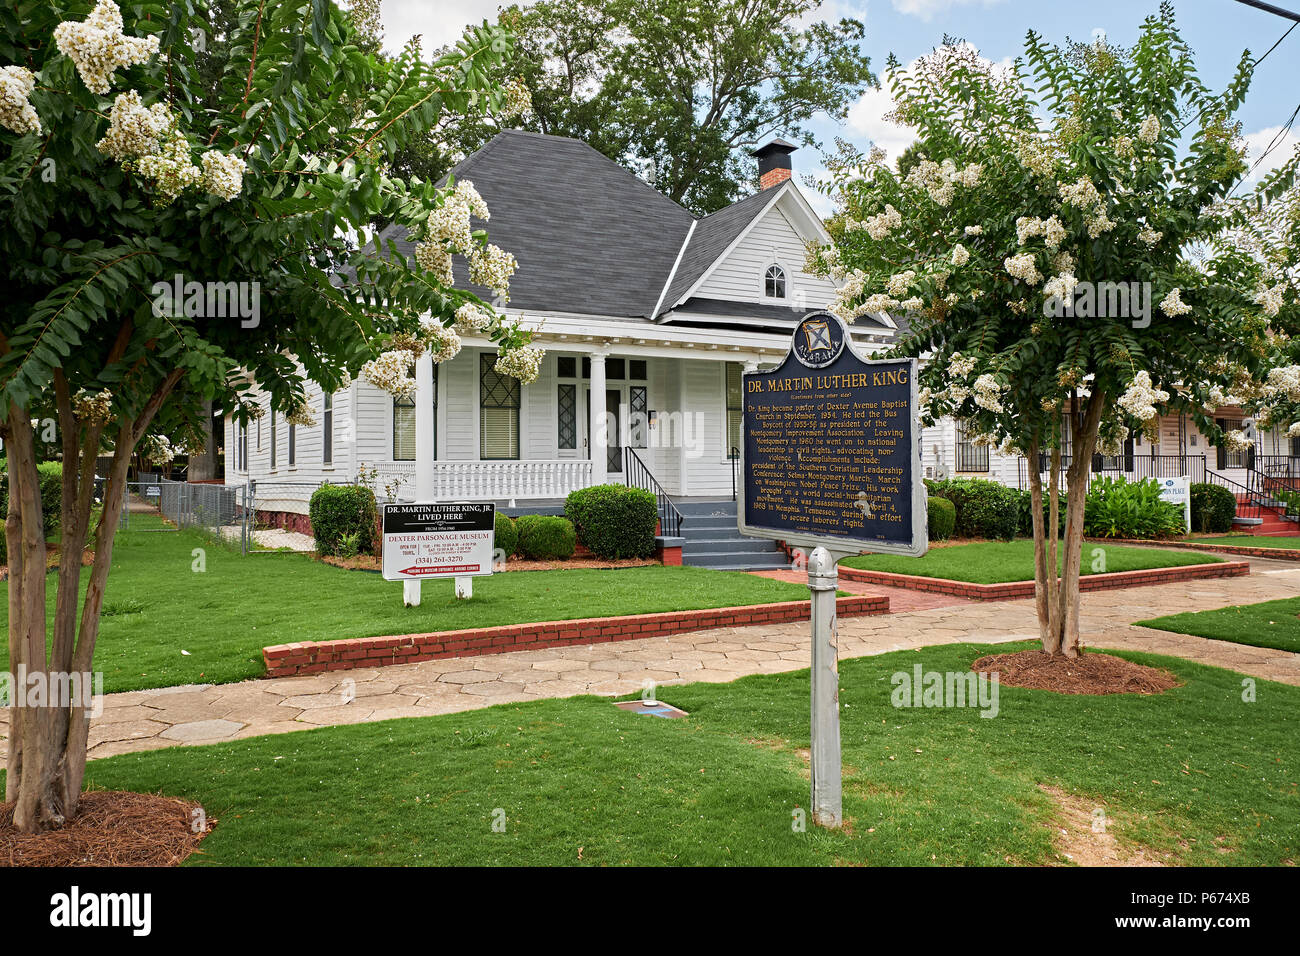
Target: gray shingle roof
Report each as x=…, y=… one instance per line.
x=591, y=238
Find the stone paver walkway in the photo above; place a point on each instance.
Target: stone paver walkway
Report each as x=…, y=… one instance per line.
x=147, y=720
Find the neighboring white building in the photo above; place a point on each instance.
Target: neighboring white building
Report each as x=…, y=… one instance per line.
x=648, y=313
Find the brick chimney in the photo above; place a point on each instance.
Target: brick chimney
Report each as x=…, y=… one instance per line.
x=773, y=163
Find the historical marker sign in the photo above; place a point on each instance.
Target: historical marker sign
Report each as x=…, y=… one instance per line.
x=438, y=540
x=831, y=448
x=831, y=456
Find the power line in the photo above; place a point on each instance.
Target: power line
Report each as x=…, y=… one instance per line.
x=1277, y=43
x=1271, y=8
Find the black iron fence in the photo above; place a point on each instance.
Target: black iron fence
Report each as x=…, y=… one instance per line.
x=1131, y=467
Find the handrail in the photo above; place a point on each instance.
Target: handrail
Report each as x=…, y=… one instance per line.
x=1252, y=507
x=637, y=475
x=734, y=456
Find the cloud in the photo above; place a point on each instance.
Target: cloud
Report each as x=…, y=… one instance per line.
x=439, y=23
x=1284, y=147
x=867, y=118
x=927, y=10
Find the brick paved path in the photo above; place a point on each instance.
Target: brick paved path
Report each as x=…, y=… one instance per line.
x=147, y=720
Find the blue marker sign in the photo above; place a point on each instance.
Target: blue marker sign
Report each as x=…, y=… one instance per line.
x=831, y=448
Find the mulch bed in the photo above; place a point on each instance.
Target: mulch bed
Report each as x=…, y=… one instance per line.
x=52, y=560
x=1086, y=674
x=369, y=562
x=111, y=828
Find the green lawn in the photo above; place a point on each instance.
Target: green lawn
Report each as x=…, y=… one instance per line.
x=996, y=562
x=157, y=606
x=1268, y=624
x=1251, y=541
x=1194, y=772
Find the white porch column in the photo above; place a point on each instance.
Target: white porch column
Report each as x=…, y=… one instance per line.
x=424, y=454
x=599, y=439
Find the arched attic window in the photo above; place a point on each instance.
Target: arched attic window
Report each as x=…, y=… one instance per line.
x=774, y=285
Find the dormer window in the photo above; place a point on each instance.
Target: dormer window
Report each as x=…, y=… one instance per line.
x=774, y=282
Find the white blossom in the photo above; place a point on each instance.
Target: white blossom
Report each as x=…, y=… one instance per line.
x=523, y=363
x=391, y=372
x=98, y=47
x=1149, y=131
x=1173, y=305
x=223, y=174
x=1141, y=397
x=16, y=113
x=1024, y=266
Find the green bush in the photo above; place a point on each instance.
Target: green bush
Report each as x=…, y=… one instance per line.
x=941, y=515
x=341, y=511
x=507, y=535
x=985, y=509
x=50, y=478
x=1117, y=508
x=546, y=537
x=1027, y=512
x=614, y=521
x=1213, y=508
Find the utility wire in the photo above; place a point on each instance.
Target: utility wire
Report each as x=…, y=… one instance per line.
x=1271, y=8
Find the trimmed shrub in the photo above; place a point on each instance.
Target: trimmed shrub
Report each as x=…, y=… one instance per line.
x=50, y=479
x=546, y=537
x=614, y=521
x=1213, y=508
x=507, y=535
x=1117, y=508
x=342, y=511
x=941, y=515
x=985, y=509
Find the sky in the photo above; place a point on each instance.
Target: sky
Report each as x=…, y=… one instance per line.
x=1217, y=30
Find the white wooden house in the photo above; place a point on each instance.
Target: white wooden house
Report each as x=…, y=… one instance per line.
x=647, y=314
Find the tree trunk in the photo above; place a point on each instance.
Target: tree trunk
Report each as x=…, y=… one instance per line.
x=1057, y=598
x=48, y=733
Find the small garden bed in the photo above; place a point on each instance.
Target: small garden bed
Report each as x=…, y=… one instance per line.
x=1273, y=624
x=1089, y=673
x=997, y=562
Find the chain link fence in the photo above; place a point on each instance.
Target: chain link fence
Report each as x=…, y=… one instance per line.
x=259, y=516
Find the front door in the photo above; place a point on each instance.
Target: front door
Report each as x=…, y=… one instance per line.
x=614, y=410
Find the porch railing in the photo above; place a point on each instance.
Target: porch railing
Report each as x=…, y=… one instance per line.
x=1132, y=467
x=457, y=480
x=637, y=475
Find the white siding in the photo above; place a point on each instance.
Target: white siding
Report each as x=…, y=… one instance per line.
x=740, y=275
x=707, y=469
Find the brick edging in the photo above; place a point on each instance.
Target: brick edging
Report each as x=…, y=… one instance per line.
x=314, y=657
x=1023, y=589
x=1281, y=554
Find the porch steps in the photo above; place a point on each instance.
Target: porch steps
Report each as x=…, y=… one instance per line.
x=712, y=541
x=1271, y=522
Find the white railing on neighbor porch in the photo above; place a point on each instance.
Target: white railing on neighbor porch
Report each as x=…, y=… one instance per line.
x=477, y=480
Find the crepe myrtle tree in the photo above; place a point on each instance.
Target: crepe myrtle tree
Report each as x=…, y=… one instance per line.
x=1030, y=188
x=1260, y=242
x=122, y=173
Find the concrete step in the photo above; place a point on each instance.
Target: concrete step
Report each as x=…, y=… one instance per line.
x=735, y=545
x=730, y=561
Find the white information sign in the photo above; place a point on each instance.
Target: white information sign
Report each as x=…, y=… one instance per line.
x=438, y=540
x=1178, y=491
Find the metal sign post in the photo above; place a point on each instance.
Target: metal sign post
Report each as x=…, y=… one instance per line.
x=831, y=458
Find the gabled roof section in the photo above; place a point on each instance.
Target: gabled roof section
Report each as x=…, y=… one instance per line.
x=718, y=233
x=590, y=237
